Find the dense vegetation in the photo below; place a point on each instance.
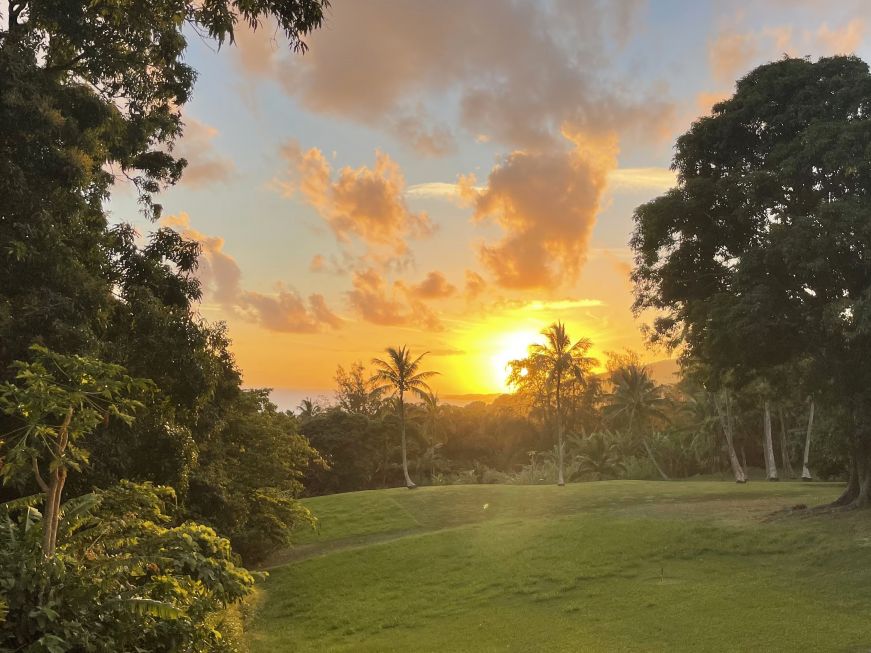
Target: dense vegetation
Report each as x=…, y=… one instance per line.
x=123, y=420
x=617, y=424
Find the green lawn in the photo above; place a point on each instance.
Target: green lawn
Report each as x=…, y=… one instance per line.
x=611, y=566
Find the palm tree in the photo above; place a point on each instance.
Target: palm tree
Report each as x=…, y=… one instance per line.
x=400, y=375
x=597, y=456
x=308, y=408
x=637, y=399
x=561, y=361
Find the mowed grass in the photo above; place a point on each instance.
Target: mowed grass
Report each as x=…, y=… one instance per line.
x=610, y=566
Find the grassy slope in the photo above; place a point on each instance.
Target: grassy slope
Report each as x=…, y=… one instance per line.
x=615, y=566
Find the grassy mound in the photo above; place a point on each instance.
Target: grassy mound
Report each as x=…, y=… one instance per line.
x=612, y=566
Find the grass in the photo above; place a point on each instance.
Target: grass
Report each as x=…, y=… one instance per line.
x=612, y=566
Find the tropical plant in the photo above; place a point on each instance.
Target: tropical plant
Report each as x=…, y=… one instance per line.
x=57, y=401
x=547, y=370
x=635, y=402
x=596, y=456
x=126, y=576
x=399, y=374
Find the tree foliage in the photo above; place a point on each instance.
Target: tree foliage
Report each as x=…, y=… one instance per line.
x=757, y=260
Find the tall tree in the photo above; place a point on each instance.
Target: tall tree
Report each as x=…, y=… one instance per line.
x=757, y=258
x=549, y=367
x=400, y=375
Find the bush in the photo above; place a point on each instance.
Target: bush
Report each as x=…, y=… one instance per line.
x=124, y=577
x=639, y=469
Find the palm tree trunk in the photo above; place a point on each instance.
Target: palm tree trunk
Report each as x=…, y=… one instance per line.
x=653, y=459
x=728, y=433
x=770, y=464
x=784, y=447
x=408, y=482
x=805, y=472
x=559, y=434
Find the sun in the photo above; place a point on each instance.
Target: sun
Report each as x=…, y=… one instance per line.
x=507, y=347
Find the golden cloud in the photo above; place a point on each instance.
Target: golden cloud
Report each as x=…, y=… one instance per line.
x=220, y=275
x=546, y=203
x=363, y=203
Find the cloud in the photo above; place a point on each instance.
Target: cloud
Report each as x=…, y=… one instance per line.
x=499, y=62
x=475, y=284
x=375, y=302
x=546, y=203
x=621, y=179
x=284, y=311
x=641, y=179
x=844, y=40
x=205, y=164
x=735, y=51
x=562, y=304
x=434, y=286
x=318, y=263
x=362, y=203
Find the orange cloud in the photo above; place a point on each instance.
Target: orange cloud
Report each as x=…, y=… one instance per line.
x=546, y=202
x=434, y=286
x=398, y=306
x=475, y=284
x=363, y=203
x=844, y=40
x=205, y=164
x=220, y=276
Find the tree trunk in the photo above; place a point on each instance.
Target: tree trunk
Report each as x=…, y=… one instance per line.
x=770, y=464
x=784, y=447
x=559, y=434
x=805, y=471
x=726, y=424
x=653, y=459
x=51, y=516
x=408, y=482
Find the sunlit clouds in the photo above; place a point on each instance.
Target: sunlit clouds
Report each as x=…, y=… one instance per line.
x=546, y=204
x=455, y=175
x=364, y=203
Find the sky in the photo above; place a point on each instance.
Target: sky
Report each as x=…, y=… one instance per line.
x=452, y=176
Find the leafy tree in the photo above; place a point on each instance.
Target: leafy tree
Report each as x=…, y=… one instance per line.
x=399, y=374
x=356, y=392
x=58, y=400
x=756, y=259
x=352, y=446
x=249, y=476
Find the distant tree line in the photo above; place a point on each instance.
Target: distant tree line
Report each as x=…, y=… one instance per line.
x=563, y=422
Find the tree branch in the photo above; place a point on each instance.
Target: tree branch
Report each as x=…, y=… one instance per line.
x=39, y=480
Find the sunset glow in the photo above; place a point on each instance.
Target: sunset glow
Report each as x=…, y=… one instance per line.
x=457, y=201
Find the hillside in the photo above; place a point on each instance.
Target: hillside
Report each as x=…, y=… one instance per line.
x=622, y=565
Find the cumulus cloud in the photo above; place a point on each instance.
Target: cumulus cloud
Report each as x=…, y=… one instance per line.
x=284, y=311
x=205, y=164
x=434, y=286
x=503, y=61
x=546, y=204
x=397, y=304
x=362, y=203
